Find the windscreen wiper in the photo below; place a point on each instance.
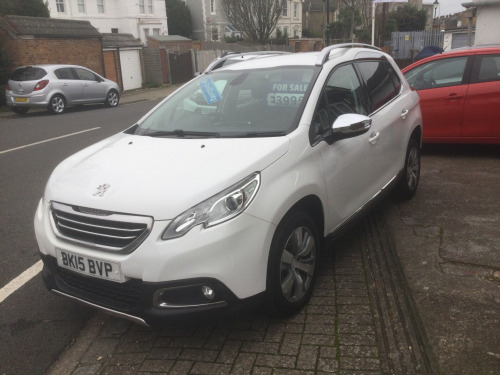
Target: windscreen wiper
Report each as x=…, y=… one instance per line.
x=182, y=133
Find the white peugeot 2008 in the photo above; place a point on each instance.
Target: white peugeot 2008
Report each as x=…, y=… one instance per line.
x=222, y=194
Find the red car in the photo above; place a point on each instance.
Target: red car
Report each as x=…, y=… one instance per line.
x=459, y=95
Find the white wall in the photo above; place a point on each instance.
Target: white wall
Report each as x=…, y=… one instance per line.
x=118, y=14
x=487, y=24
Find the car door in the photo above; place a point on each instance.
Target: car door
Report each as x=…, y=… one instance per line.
x=70, y=85
x=389, y=112
x=93, y=88
x=481, y=115
x=347, y=168
x=442, y=86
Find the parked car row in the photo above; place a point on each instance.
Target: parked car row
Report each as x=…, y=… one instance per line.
x=57, y=87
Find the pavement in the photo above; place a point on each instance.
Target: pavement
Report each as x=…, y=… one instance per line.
x=412, y=288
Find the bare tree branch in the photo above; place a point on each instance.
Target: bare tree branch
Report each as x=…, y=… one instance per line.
x=255, y=18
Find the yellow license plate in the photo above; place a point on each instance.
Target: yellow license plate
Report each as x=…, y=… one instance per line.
x=21, y=100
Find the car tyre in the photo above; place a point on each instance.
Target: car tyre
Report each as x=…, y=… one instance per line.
x=408, y=182
x=293, y=265
x=57, y=104
x=112, y=99
x=19, y=110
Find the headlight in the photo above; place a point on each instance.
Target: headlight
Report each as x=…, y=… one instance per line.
x=217, y=209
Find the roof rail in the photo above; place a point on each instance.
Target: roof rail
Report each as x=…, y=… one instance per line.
x=325, y=52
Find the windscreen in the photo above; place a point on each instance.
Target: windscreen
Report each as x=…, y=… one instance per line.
x=230, y=103
x=29, y=73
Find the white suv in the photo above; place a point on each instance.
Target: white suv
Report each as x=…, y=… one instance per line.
x=192, y=212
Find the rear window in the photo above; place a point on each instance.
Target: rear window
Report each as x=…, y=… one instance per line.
x=28, y=74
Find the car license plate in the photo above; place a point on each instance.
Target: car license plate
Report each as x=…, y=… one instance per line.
x=89, y=266
x=21, y=100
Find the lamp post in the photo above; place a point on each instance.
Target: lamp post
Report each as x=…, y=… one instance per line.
x=435, y=5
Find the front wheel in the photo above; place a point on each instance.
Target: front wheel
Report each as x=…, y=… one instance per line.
x=408, y=182
x=112, y=99
x=57, y=104
x=293, y=264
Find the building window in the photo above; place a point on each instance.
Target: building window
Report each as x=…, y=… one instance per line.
x=156, y=31
x=146, y=33
x=146, y=6
x=295, y=10
x=60, y=6
x=114, y=30
x=285, y=8
x=81, y=6
x=212, y=6
x=100, y=6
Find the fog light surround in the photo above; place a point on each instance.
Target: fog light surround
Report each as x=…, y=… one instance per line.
x=186, y=296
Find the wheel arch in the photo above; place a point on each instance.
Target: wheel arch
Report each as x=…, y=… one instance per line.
x=312, y=205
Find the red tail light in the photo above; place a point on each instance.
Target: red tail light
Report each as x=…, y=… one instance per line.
x=40, y=85
x=7, y=87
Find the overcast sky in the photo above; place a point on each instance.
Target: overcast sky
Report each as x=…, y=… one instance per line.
x=448, y=6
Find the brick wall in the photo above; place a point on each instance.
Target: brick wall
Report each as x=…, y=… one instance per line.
x=85, y=52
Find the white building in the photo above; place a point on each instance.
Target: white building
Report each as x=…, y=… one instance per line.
x=210, y=24
x=137, y=17
x=487, y=25
x=291, y=20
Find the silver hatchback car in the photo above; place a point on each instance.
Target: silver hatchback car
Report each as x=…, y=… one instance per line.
x=56, y=87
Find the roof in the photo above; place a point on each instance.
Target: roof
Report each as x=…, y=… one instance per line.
x=169, y=38
x=115, y=40
x=48, y=27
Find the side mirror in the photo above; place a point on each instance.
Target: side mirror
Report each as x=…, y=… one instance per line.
x=348, y=126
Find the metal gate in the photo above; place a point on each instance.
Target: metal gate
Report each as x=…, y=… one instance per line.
x=407, y=44
x=180, y=66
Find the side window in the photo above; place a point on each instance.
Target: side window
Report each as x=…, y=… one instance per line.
x=381, y=81
x=438, y=73
x=64, y=73
x=342, y=94
x=85, y=75
x=486, y=68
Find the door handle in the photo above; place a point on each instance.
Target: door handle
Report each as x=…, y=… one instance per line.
x=454, y=97
x=373, y=138
x=404, y=113
x=64, y=84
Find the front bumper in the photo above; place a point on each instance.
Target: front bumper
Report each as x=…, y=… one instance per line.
x=163, y=279
x=132, y=300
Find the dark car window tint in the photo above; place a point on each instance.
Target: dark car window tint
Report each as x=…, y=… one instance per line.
x=85, y=75
x=65, y=73
x=438, y=73
x=486, y=68
x=342, y=94
x=381, y=81
x=28, y=74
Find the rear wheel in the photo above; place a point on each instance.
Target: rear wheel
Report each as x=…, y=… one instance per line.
x=293, y=263
x=57, y=104
x=19, y=110
x=407, y=185
x=112, y=99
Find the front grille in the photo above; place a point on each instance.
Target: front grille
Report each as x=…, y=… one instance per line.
x=124, y=296
x=99, y=229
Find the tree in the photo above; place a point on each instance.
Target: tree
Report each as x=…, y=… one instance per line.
x=352, y=5
x=255, y=18
x=409, y=18
x=341, y=29
x=179, y=18
x=34, y=8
